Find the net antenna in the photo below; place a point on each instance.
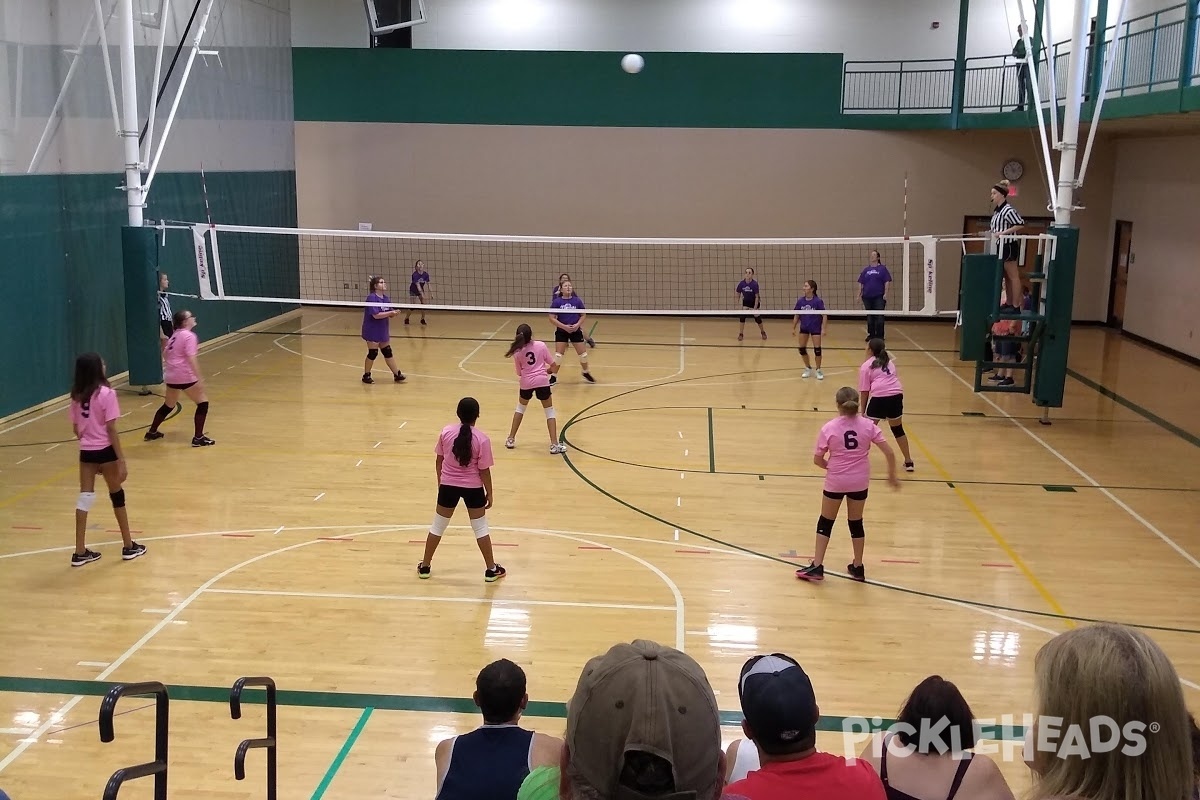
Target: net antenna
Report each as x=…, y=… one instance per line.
x=390, y=20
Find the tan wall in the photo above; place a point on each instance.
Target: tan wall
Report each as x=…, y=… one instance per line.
x=681, y=183
x=1157, y=188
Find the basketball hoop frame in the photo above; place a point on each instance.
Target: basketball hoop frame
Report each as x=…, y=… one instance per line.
x=379, y=30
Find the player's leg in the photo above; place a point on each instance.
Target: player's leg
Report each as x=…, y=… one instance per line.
x=423, y=302
x=896, y=423
x=556, y=447
x=170, y=398
x=831, y=503
x=803, y=347
x=87, y=496
x=761, y=329
x=369, y=361
x=582, y=351
x=477, y=511
x=741, y=327
x=855, y=503
x=447, y=499
x=196, y=394
x=518, y=415
x=388, y=358
x=112, y=477
x=1012, y=280
x=817, y=354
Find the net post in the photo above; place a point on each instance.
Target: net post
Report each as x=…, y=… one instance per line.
x=979, y=300
x=216, y=260
x=139, y=255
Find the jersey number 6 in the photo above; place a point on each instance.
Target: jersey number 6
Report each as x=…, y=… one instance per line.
x=851, y=440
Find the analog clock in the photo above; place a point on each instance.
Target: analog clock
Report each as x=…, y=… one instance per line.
x=1013, y=170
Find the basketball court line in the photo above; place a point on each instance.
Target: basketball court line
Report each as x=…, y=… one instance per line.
x=1070, y=464
x=432, y=599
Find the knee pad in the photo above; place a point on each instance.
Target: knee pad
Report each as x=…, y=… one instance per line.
x=558, y=358
x=824, y=527
x=550, y=413
x=857, y=531
x=898, y=431
x=804, y=350
x=520, y=409
x=480, y=526
x=387, y=351
x=372, y=354
x=817, y=352
x=117, y=497
x=85, y=501
x=439, y=525
x=583, y=357
x=202, y=408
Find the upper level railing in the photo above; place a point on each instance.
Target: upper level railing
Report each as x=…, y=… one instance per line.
x=1148, y=50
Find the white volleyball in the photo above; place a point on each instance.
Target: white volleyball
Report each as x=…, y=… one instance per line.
x=633, y=63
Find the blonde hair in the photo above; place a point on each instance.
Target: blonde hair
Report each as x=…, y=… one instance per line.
x=847, y=401
x=1114, y=672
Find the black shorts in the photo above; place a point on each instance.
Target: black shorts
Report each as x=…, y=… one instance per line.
x=542, y=392
x=891, y=407
x=448, y=496
x=167, y=328
x=1010, y=251
x=1006, y=348
x=105, y=456
x=852, y=495
x=181, y=386
x=575, y=336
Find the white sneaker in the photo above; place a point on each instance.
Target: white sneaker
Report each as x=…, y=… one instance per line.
x=510, y=443
x=806, y=373
x=558, y=448
x=820, y=375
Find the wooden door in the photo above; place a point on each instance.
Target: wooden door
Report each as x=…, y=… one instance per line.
x=1119, y=282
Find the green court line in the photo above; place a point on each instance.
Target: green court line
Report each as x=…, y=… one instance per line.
x=1144, y=413
x=712, y=447
x=369, y=703
x=1053, y=488
x=319, y=792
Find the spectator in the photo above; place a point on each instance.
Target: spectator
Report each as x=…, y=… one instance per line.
x=873, y=284
x=1018, y=53
x=1118, y=676
x=780, y=710
x=643, y=723
x=1006, y=349
x=741, y=758
x=490, y=762
x=937, y=766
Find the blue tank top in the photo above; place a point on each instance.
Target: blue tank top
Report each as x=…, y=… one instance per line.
x=489, y=763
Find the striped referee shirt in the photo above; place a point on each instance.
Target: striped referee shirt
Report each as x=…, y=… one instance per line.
x=1003, y=218
x=164, y=308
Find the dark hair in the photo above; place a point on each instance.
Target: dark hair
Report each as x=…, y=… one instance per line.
x=180, y=317
x=878, y=255
x=1195, y=747
x=468, y=412
x=813, y=284
x=499, y=690
x=647, y=773
x=933, y=700
x=752, y=272
x=882, y=356
x=375, y=279
x=524, y=337
x=418, y=263
x=566, y=275
x=89, y=376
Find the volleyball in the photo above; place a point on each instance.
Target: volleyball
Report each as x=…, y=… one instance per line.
x=633, y=63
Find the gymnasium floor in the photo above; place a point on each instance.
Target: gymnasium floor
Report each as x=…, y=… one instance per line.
x=678, y=514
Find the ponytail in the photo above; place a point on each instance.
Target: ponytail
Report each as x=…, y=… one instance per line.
x=882, y=356
x=468, y=413
x=847, y=401
x=522, y=339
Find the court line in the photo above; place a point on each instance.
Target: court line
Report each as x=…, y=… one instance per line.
x=993, y=532
x=1145, y=413
x=462, y=364
x=340, y=758
x=1095, y=484
x=431, y=599
x=712, y=448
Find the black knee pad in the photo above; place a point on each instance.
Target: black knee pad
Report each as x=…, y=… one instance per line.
x=118, y=498
x=824, y=527
x=803, y=351
x=387, y=351
x=817, y=352
x=372, y=354
x=857, y=531
x=202, y=408
x=898, y=431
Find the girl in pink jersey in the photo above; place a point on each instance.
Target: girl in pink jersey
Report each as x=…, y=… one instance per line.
x=464, y=472
x=842, y=449
x=94, y=414
x=882, y=394
x=533, y=364
x=181, y=373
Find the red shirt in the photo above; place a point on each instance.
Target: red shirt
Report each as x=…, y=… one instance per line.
x=821, y=776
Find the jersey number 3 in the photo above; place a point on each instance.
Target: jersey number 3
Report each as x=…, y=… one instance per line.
x=850, y=439
x=531, y=358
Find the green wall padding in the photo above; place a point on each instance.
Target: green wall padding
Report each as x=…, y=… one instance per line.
x=506, y=87
x=61, y=279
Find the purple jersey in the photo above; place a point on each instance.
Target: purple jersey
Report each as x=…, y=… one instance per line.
x=376, y=330
x=749, y=292
x=873, y=279
x=811, y=323
x=416, y=286
x=567, y=306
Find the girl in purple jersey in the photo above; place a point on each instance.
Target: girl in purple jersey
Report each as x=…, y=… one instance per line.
x=376, y=330
x=747, y=291
x=806, y=325
x=418, y=289
x=568, y=327
x=558, y=293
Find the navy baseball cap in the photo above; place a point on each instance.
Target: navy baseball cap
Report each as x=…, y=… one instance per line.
x=778, y=702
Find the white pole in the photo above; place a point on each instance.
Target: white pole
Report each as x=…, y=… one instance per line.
x=162, y=39
x=52, y=121
x=112, y=92
x=1037, y=107
x=1070, y=140
x=1099, y=103
x=129, y=121
x=1052, y=63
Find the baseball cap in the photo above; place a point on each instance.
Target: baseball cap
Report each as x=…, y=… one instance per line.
x=778, y=702
x=644, y=697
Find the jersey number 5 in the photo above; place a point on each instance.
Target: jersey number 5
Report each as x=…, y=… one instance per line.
x=850, y=439
x=531, y=358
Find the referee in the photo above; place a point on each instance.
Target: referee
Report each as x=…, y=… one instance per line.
x=166, y=317
x=1005, y=224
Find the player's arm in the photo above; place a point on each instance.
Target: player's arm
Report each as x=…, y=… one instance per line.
x=582, y=319
x=441, y=760
x=437, y=467
x=795, y=324
x=878, y=438
x=114, y=439
x=194, y=359
x=824, y=321
x=886, y=285
x=557, y=324
x=821, y=454
x=486, y=476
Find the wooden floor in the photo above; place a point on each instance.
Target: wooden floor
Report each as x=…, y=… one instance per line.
x=686, y=498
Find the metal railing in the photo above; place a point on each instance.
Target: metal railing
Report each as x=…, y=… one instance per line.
x=889, y=87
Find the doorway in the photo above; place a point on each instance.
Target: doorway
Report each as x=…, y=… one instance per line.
x=1119, y=279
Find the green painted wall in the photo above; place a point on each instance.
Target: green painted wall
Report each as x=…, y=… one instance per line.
x=61, y=268
x=701, y=90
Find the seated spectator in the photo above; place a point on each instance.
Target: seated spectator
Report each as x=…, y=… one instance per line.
x=490, y=762
x=780, y=710
x=741, y=758
x=1119, y=676
x=643, y=723
x=1195, y=755
x=938, y=766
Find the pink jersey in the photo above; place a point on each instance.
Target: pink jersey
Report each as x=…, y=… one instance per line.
x=879, y=382
x=531, y=362
x=92, y=417
x=177, y=366
x=455, y=474
x=848, y=440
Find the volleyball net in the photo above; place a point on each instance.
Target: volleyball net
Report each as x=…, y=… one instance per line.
x=628, y=276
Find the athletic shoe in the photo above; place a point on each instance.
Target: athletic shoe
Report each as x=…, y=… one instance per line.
x=406, y=320
x=741, y=336
x=135, y=551
x=987, y=369
x=423, y=570
x=1006, y=382
x=398, y=377
x=558, y=448
x=202, y=441
x=510, y=443
x=858, y=573
x=423, y=322
x=764, y=335
x=367, y=378
x=996, y=378
x=813, y=572
x=909, y=467
x=493, y=575
x=87, y=557
x=152, y=435
x=588, y=377
x=820, y=375
x=806, y=373
x=591, y=343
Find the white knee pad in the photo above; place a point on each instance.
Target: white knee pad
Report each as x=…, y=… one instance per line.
x=583, y=357
x=558, y=358
x=480, y=526
x=439, y=525
x=86, y=501
x=520, y=408
x=550, y=412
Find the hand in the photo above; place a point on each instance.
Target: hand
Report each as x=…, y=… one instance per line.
x=122, y=469
x=488, y=504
